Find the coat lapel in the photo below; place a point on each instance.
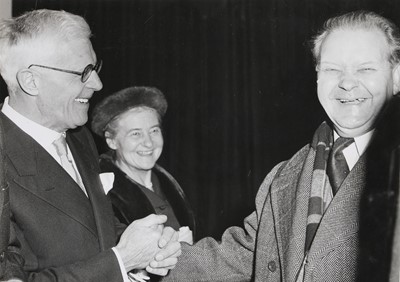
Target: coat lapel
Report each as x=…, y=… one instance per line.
x=342, y=216
x=289, y=196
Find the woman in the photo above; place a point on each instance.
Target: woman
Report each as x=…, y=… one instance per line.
x=130, y=122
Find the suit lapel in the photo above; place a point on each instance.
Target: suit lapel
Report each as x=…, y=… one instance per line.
x=87, y=164
x=42, y=176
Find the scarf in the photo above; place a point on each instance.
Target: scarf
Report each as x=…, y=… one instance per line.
x=321, y=191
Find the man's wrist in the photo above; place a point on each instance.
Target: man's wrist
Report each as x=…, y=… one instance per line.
x=121, y=265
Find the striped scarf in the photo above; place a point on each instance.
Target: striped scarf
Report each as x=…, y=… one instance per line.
x=321, y=191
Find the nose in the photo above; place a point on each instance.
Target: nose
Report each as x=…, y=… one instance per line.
x=94, y=81
x=147, y=141
x=348, y=81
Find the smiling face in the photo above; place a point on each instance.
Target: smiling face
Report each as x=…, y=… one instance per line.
x=63, y=100
x=138, y=140
x=355, y=79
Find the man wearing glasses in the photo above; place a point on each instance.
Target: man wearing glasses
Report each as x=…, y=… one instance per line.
x=60, y=216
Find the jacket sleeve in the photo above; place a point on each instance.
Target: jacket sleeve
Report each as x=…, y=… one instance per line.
x=230, y=259
x=101, y=267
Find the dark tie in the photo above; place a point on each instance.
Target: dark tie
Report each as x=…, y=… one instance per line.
x=337, y=168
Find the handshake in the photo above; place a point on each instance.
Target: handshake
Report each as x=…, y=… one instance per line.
x=147, y=244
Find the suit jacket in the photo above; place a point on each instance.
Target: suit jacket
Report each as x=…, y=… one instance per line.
x=271, y=245
x=10, y=260
x=130, y=202
x=64, y=235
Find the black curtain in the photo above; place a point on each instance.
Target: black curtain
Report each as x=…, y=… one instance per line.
x=238, y=76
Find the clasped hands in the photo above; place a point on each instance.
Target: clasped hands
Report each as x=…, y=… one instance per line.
x=147, y=244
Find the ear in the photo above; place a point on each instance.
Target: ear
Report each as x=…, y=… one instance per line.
x=110, y=140
x=28, y=80
x=396, y=79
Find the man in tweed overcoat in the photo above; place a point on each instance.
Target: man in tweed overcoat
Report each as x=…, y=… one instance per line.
x=303, y=228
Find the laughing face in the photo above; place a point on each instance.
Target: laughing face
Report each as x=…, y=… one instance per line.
x=355, y=79
x=138, y=140
x=63, y=99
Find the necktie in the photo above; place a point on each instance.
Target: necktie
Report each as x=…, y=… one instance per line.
x=61, y=147
x=337, y=168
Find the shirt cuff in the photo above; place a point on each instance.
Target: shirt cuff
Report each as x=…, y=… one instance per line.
x=121, y=266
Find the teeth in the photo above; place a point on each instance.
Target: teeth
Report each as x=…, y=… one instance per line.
x=145, y=153
x=352, y=101
x=81, y=100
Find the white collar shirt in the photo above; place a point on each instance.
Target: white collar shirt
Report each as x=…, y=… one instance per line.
x=353, y=152
x=43, y=135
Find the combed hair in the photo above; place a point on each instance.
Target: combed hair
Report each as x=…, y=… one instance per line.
x=356, y=20
x=36, y=25
x=37, y=22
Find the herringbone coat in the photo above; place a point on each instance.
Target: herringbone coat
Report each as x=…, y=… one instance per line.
x=271, y=245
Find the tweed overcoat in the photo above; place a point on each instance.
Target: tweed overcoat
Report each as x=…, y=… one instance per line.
x=271, y=245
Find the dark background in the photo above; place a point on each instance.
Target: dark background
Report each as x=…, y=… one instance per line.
x=238, y=76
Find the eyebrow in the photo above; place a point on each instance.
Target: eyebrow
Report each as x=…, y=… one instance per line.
x=139, y=128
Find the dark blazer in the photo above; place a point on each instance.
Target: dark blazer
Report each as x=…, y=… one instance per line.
x=271, y=245
x=130, y=202
x=10, y=260
x=64, y=235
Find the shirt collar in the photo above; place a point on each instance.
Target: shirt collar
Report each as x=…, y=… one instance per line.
x=361, y=142
x=43, y=135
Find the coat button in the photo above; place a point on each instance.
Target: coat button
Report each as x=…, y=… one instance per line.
x=272, y=266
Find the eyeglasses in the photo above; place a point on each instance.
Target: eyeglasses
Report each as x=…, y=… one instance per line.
x=87, y=71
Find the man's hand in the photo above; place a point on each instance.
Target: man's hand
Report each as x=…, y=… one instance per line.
x=139, y=242
x=167, y=257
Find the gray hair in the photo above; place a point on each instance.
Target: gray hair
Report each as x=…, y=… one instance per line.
x=364, y=20
x=34, y=26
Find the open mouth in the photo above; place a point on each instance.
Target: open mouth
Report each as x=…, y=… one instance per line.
x=145, y=153
x=82, y=100
x=352, y=101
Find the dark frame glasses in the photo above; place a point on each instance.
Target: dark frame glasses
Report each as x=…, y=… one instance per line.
x=87, y=71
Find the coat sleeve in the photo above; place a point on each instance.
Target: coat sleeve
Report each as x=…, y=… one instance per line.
x=230, y=259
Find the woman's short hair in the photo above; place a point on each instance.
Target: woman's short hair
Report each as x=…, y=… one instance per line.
x=359, y=19
x=126, y=99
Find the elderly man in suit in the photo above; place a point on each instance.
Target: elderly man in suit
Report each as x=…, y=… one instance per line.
x=59, y=211
x=306, y=223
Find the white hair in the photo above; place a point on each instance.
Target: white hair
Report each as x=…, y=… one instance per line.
x=21, y=38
